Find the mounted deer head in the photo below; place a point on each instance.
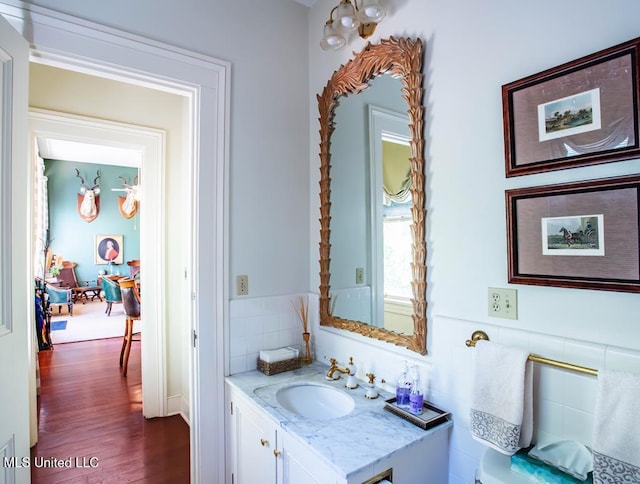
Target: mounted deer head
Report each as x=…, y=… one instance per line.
x=88, y=198
x=129, y=204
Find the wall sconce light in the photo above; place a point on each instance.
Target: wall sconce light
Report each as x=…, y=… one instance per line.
x=349, y=18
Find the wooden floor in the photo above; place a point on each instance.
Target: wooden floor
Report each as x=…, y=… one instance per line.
x=89, y=413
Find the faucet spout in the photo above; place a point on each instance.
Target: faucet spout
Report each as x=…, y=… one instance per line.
x=335, y=368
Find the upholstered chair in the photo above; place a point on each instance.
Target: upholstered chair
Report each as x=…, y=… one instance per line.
x=60, y=296
x=112, y=294
x=131, y=306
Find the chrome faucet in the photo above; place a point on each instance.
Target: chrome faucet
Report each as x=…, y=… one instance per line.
x=334, y=367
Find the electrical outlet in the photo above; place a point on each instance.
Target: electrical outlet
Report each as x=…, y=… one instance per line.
x=502, y=303
x=242, y=283
x=359, y=275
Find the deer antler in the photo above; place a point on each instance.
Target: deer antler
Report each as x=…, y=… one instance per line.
x=81, y=179
x=95, y=180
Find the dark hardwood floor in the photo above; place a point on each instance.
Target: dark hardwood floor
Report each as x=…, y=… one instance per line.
x=90, y=416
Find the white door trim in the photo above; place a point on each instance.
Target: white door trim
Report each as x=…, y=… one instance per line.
x=73, y=43
x=150, y=143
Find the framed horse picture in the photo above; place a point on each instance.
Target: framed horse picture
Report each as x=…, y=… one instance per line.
x=580, y=113
x=582, y=235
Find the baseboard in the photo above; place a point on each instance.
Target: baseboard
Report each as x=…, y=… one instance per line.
x=178, y=405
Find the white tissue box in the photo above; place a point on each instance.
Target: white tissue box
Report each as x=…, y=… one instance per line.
x=281, y=354
x=277, y=361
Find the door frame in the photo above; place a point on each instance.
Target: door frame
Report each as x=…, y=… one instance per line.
x=150, y=143
x=72, y=43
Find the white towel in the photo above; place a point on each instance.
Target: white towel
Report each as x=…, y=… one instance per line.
x=616, y=435
x=502, y=399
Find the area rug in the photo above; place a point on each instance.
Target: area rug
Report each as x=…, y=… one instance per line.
x=89, y=322
x=58, y=325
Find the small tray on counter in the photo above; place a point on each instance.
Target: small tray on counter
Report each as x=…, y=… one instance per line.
x=430, y=417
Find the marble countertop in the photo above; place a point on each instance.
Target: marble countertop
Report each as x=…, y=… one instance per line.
x=364, y=437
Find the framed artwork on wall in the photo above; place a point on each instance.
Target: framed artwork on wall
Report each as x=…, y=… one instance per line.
x=581, y=113
x=109, y=249
x=582, y=235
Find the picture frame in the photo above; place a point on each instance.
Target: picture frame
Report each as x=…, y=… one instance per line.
x=583, y=235
x=109, y=249
x=580, y=113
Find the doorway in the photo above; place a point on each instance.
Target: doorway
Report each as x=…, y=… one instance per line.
x=146, y=149
x=84, y=46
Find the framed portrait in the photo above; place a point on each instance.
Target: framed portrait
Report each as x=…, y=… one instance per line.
x=109, y=249
x=582, y=235
x=581, y=113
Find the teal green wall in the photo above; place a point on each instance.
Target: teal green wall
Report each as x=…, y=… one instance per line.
x=72, y=237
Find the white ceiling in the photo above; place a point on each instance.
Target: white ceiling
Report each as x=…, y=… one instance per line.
x=307, y=3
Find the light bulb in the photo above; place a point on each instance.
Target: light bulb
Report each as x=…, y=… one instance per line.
x=346, y=19
x=331, y=39
x=370, y=12
x=347, y=22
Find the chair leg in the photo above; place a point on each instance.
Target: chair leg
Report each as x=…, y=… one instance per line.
x=124, y=341
x=108, y=310
x=127, y=350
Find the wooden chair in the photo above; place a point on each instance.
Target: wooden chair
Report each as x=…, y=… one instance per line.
x=80, y=289
x=134, y=267
x=131, y=305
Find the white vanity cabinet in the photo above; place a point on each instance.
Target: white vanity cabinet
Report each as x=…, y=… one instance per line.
x=262, y=453
x=264, y=448
x=252, y=444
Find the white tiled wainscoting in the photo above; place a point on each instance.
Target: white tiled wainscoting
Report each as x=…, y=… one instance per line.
x=564, y=401
x=262, y=324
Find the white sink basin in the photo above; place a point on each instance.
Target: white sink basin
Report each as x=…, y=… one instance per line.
x=318, y=402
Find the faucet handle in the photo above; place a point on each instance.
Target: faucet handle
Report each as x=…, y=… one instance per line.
x=353, y=369
x=371, y=392
x=329, y=359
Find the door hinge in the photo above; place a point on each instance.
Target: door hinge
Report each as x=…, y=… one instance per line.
x=194, y=337
x=231, y=405
x=232, y=479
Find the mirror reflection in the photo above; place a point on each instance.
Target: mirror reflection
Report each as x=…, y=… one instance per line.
x=371, y=208
x=372, y=217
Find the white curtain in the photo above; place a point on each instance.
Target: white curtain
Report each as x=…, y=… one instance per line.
x=41, y=217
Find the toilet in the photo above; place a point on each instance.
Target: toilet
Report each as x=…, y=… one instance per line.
x=495, y=468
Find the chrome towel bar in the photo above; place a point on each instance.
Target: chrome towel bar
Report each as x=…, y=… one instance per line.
x=481, y=335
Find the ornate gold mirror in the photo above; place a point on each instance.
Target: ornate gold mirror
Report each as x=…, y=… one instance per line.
x=351, y=194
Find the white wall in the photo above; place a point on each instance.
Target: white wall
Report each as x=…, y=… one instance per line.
x=265, y=42
x=472, y=49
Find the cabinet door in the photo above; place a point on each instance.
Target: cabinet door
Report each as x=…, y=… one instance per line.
x=254, y=444
x=298, y=464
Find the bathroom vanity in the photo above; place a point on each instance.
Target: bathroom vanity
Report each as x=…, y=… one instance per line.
x=298, y=427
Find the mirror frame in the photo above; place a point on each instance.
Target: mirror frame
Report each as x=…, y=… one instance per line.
x=401, y=58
